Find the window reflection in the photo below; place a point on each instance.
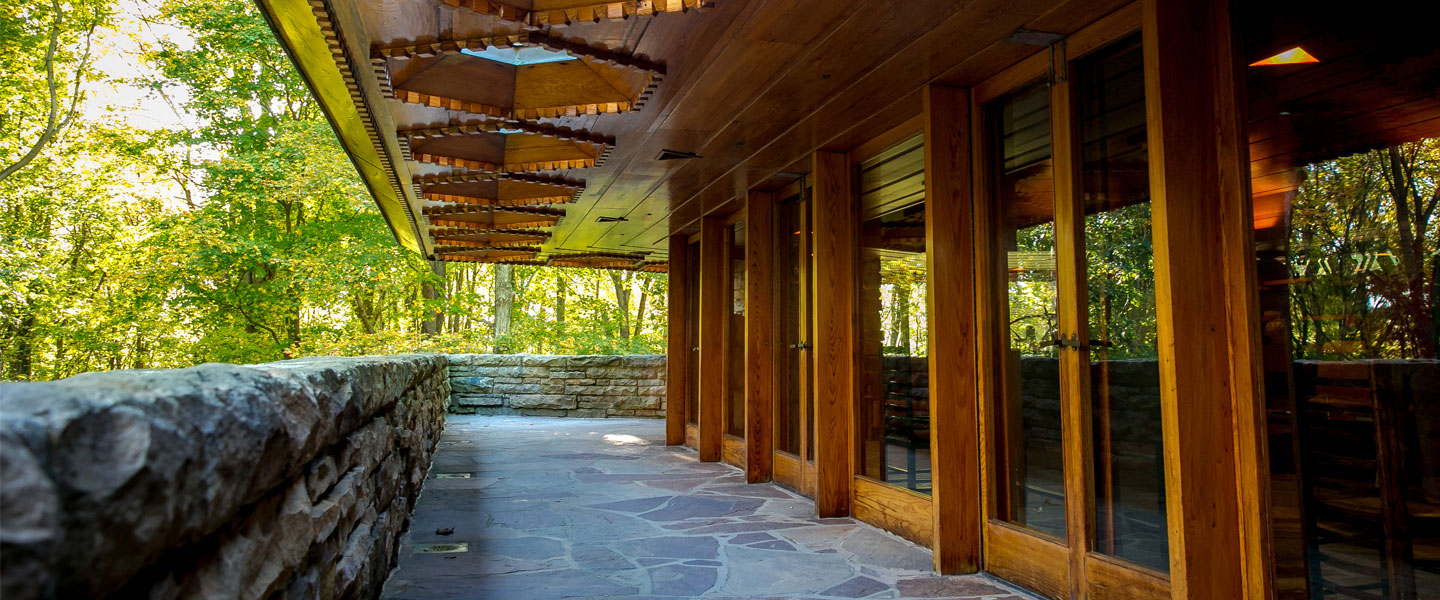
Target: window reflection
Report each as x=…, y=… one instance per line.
x=894, y=395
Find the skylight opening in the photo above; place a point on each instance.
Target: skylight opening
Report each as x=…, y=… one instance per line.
x=522, y=56
x=1293, y=56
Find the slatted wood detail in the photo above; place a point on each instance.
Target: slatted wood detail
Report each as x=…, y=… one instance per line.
x=565, y=15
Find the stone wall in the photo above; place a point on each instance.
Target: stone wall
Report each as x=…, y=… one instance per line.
x=557, y=386
x=284, y=480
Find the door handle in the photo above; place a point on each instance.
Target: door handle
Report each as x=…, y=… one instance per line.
x=799, y=346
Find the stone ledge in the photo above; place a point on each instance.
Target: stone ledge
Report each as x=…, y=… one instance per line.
x=550, y=385
x=197, y=482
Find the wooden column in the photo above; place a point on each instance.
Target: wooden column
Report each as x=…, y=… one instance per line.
x=1208, y=330
x=836, y=218
x=759, y=335
x=950, y=260
x=677, y=343
x=714, y=313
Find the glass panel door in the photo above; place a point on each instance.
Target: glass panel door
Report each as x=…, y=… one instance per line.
x=1128, y=472
x=1077, y=487
x=1030, y=486
x=793, y=428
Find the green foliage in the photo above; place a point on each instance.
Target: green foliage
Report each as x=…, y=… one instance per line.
x=1363, y=250
x=240, y=232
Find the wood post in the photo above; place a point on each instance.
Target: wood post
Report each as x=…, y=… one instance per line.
x=836, y=218
x=714, y=314
x=677, y=343
x=760, y=324
x=954, y=425
x=1214, y=462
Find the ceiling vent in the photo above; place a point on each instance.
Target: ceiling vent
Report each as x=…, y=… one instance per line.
x=1033, y=38
x=668, y=154
x=612, y=220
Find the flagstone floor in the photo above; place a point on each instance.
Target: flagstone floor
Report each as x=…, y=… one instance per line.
x=520, y=508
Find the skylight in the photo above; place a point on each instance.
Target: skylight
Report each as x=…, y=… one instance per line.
x=527, y=55
x=1293, y=56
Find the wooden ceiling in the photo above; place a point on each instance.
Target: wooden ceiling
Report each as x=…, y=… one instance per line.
x=750, y=87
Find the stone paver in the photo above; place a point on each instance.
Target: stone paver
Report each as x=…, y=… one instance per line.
x=580, y=508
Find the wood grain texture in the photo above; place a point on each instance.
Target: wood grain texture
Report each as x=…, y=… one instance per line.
x=677, y=344
x=1185, y=82
x=895, y=509
x=1071, y=290
x=834, y=207
x=950, y=261
x=732, y=450
x=714, y=310
x=760, y=324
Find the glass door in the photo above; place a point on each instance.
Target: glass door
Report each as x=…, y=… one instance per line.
x=1076, y=494
x=794, y=439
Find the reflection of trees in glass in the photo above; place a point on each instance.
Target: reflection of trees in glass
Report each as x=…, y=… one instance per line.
x=902, y=308
x=1120, y=275
x=1362, y=253
x=1032, y=293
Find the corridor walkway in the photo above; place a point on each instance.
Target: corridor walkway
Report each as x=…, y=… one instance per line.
x=519, y=508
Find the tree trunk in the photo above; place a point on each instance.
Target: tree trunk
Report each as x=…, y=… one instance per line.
x=560, y=284
x=622, y=297
x=504, y=304
x=433, y=290
x=1411, y=254
x=640, y=310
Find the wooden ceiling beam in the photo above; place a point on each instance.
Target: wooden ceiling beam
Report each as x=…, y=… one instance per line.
x=539, y=15
x=477, y=201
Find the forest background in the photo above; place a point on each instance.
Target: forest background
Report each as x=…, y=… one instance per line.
x=171, y=195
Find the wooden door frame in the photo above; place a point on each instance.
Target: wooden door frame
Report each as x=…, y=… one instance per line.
x=1072, y=569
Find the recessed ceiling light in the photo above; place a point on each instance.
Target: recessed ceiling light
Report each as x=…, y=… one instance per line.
x=1293, y=56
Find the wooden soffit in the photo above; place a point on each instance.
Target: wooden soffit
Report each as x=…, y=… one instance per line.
x=491, y=218
x=505, y=147
x=471, y=75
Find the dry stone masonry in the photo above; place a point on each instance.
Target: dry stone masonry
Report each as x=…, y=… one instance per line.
x=293, y=479
x=558, y=386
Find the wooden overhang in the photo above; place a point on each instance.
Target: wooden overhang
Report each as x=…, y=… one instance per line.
x=751, y=88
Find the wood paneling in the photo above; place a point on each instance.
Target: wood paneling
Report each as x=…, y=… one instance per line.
x=835, y=210
x=692, y=435
x=1192, y=118
x=732, y=450
x=895, y=509
x=1038, y=564
x=954, y=437
x=714, y=310
x=677, y=344
x=760, y=324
